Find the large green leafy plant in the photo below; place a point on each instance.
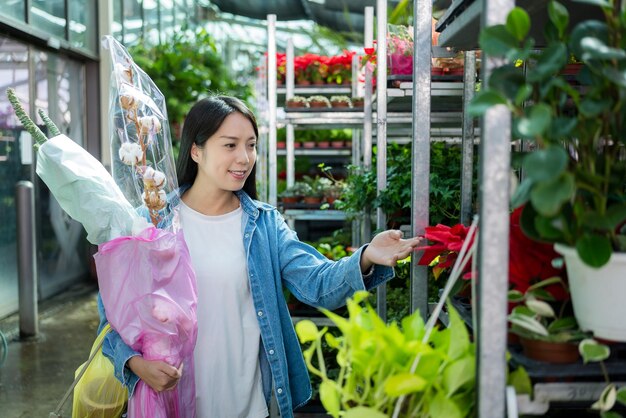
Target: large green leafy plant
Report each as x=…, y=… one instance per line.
x=575, y=178
x=187, y=68
x=375, y=361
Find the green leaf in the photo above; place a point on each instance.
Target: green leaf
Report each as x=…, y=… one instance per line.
x=363, y=412
x=593, y=351
x=607, y=399
x=522, y=193
x=404, y=383
x=616, y=76
x=586, y=28
x=459, y=337
x=614, y=216
x=546, y=227
x=595, y=49
x=558, y=16
x=550, y=62
x=523, y=93
x=518, y=23
x=507, y=80
x=483, y=101
x=621, y=395
x=330, y=397
x=520, y=380
x=546, y=282
x=529, y=324
x=537, y=121
x=497, y=41
x=307, y=331
x=590, y=107
x=515, y=296
x=562, y=126
x=548, y=196
x=442, y=407
x=563, y=324
x=527, y=222
x=594, y=250
x=541, y=308
x=458, y=374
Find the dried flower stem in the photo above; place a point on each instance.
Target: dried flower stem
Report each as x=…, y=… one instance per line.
x=26, y=121
x=52, y=128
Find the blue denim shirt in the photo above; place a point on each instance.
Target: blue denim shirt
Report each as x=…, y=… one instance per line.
x=276, y=258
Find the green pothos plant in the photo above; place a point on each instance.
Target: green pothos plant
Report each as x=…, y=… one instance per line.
x=375, y=361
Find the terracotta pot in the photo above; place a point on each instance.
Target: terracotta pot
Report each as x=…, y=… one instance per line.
x=340, y=105
x=323, y=144
x=318, y=105
x=357, y=103
x=336, y=144
x=303, y=82
x=551, y=352
x=295, y=105
x=281, y=145
x=312, y=200
x=308, y=144
x=290, y=199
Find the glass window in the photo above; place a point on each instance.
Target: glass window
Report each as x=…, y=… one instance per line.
x=116, y=25
x=14, y=165
x=167, y=20
x=83, y=24
x=49, y=16
x=151, y=21
x=133, y=21
x=14, y=8
x=60, y=93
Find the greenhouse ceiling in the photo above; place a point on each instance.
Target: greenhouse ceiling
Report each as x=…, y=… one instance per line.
x=339, y=15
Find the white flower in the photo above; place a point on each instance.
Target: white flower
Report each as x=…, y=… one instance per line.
x=154, y=178
x=125, y=74
x=128, y=102
x=149, y=125
x=130, y=153
x=155, y=199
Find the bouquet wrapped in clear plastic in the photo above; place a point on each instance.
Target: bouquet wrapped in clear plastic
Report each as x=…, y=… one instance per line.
x=146, y=282
x=145, y=275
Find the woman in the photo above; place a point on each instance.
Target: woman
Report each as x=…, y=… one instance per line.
x=243, y=253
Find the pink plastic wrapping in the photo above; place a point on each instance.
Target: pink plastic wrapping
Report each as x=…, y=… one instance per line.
x=149, y=292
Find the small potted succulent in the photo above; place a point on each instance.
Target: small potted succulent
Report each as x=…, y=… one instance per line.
x=357, y=102
x=319, y=102
x=318, y=186
x=340, y=102
x=297, y=102
x=295, y=193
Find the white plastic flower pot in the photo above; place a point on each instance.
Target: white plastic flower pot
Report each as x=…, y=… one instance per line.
x=598, y=294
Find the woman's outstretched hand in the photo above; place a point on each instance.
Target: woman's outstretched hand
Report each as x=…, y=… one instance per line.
x=387, y=248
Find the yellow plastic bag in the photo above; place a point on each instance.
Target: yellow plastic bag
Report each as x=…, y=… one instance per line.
x=98, y=394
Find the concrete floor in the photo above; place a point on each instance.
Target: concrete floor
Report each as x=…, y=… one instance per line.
x=37, y=373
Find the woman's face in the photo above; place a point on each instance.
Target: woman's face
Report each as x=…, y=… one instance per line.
x=226, y=158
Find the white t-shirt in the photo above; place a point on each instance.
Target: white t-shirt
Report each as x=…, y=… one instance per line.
x=227, y=371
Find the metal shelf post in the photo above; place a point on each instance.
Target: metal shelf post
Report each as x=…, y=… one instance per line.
x=420, y=152
x=467, y=157
x=271, y=98
x=493, y=249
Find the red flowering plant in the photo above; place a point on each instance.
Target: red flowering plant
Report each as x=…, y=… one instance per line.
x=281, y=67
x=530, y=261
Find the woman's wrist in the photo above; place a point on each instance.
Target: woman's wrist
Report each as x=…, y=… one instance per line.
x=365, y=263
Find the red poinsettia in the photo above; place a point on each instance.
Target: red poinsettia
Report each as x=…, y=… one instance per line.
x=529, y=261
x=447, y=242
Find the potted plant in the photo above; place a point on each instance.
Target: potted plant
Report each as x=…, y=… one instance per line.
x=318, y=101
x=545, y=334
x=297, y=102
x=357, y=102
x=318, y=189
x=340, y=102
x=295, y=193
x=574, y=182
x=376, y=360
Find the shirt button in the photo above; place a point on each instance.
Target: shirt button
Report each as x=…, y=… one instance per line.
x=271, y=352
x=260, y=313
x=279, y=391
x=247, y=235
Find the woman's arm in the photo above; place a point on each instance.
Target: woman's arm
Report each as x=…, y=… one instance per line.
x=320, y=282
x=130, y=366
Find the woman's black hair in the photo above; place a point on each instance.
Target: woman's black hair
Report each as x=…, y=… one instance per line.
x=202, y=121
